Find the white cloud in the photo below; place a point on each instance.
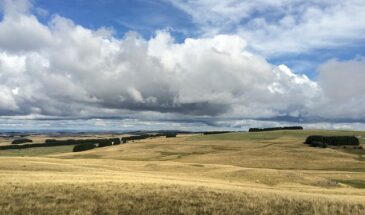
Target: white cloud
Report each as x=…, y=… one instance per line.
x=20, y=32
x=7, y=100
x=86, y=73
x=65, y=71
x=274, y=27
x=343, y=89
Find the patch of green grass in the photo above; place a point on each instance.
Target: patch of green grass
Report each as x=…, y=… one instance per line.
x=33, y=152
x=354, y=183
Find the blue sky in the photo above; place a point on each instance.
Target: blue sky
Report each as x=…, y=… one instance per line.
x=143, y=16
x=188, y=64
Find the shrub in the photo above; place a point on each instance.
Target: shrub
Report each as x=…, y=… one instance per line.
x=105, y=143
x=115, y=141
x=83, y=147
x=315, y=144
x=22, y=140
x=136, y=137
x=170, y=135
x=312, y=138
x=318, y=144
x=50, y=140
x=333, y=140
x=254, y=130
x=70, y=141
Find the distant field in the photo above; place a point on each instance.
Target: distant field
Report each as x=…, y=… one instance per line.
x=235, y=173
x=298, y=135
x=31, y=152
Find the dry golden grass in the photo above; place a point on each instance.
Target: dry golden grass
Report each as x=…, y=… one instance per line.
x=274, y=150
x=267, y=173
x=101, y=186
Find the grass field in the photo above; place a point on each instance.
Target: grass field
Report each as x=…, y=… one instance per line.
x=235, y=173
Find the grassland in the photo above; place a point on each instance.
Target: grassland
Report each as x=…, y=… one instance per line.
x=237, y=173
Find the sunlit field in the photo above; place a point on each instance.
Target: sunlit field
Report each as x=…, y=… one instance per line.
x=234, y=173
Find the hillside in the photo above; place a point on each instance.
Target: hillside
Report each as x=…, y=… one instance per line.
x=234, y=173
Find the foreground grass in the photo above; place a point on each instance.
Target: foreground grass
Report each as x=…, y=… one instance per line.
x=129, y=198
x=103, y=186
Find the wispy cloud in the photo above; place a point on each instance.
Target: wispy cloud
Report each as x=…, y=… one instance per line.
x=281, y=26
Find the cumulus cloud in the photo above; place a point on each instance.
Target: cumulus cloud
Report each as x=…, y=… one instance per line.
x=7, y=101
x=281, y=26
x=61, y=70
x=83, y=68
x=33, y=34
x=343, y=88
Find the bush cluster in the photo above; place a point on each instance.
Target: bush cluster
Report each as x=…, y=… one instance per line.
x=145, y=136
x=170, y=135
x=83, y=147
x=50, y=140
x=22, y=140
x=115, y=141
x=276, y=128
x=313, y=140
x=104, y=144
x=318, y=144
x=135, y=137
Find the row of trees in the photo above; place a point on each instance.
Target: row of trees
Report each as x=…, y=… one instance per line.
x=83, y=147
x=88, y=146
x=145, y=136
x=170, y=135
x=324, y=141
x=276, y=128
x=113, y=141
x=21, y=140
x=80, y=144
x=54, y=142
x=215, y=132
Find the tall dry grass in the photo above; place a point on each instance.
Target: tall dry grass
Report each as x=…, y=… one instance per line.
x=140, y=198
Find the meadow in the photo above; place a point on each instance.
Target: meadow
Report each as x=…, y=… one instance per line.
x=234, y=173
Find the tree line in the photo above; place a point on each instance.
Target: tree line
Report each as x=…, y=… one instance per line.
x=215, y=132
x=276, y=128
x=82, y=144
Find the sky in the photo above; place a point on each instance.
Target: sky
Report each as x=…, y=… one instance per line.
x=181, y=64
